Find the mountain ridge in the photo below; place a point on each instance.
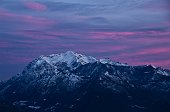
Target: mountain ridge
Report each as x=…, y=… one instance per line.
x=71, y=82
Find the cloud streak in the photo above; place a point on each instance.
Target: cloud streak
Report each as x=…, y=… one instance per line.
x=35, y=6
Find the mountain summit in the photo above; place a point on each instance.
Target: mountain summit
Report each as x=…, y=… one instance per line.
x=70, y=58
x=72, y=82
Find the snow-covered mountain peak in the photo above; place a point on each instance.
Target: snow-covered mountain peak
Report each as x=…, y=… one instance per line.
x=152, y=66
x=68, y=57
x=106, y=60
x=109, y=61
x=71, y=59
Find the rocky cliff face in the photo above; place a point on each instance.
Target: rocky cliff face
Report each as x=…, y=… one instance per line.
x=71, y=82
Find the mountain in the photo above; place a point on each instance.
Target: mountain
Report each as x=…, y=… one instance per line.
x=71, y=82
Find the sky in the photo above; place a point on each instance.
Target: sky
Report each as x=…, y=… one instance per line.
x=136, y=32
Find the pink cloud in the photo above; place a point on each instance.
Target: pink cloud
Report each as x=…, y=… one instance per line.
x=147, y=51
x=148, y=40
x=104, y=35
x=37, y=20
x=43, y=35
x=165, y=24
x=153, y=51
x=115, y=35
x=26, y=20
x=61, y=33
x=4, y=44
x=5, y=13
x=156, y=56
x=35, y=6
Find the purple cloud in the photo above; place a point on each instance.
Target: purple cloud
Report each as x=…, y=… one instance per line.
x=35, y=6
